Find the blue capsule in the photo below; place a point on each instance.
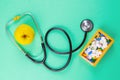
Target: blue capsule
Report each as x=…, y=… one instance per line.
x=90, y=53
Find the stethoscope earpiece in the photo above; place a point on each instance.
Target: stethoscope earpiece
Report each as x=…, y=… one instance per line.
x=86, y=25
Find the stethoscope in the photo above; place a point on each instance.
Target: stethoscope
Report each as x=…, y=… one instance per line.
x=86, y=26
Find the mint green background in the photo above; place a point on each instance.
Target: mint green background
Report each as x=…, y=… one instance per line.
x=67, y=14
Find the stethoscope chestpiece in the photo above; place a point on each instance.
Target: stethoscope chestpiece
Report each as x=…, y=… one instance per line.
x=86, y=25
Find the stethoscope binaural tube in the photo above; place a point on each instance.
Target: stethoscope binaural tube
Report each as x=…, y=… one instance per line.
x=17, y=18
x=86, y=25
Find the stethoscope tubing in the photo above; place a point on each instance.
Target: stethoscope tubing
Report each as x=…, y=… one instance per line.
x=60, y=29
x=69, y=55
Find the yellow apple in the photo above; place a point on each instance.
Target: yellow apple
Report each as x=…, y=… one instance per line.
x=24, y=34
